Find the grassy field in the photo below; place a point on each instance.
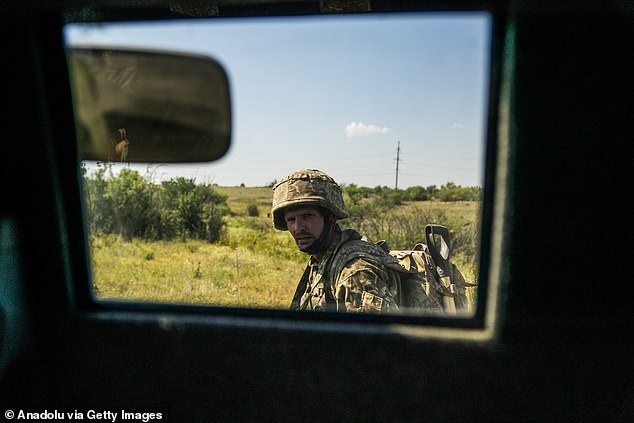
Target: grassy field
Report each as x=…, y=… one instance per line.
x=239, y=197
x=253, y=265
x=191, y=272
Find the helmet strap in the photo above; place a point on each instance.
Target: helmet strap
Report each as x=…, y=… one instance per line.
x=321, y=244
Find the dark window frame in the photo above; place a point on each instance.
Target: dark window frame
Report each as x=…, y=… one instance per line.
x=80, y=285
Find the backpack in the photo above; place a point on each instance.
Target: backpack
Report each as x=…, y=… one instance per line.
x=427, y=285
x=442, y=294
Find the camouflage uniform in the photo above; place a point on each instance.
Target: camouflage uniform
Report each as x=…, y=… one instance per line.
x=347, y=278
x=351, y=275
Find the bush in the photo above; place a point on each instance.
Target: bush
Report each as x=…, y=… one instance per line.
x=191, y=211
x=252, y=209
x=132, y=206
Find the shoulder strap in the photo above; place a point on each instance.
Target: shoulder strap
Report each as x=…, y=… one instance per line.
x=301, y=288
x=357, y=248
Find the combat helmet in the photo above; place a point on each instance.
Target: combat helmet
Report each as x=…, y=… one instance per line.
x=306, y=187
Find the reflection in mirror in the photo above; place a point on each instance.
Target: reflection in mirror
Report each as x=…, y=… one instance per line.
x=392, y=108
x=175, y=106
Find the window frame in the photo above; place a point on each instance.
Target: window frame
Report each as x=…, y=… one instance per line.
x=481, y=325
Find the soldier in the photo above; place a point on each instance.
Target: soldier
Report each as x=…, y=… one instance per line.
x=340, y=275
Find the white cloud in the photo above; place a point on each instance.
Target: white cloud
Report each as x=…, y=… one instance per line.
x=360, y=129
x=458, y=125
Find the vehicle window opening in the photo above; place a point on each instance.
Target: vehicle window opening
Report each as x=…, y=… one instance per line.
x=392, y=108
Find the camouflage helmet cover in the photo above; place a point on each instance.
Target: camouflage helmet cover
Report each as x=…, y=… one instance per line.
x=306, y=187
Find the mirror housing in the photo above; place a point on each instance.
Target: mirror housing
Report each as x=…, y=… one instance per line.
x=149, y=106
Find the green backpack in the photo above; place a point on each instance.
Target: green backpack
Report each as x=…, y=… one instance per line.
x=430, y=283
x=442, y=294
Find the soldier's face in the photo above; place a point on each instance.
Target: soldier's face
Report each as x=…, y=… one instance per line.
x=305, y=225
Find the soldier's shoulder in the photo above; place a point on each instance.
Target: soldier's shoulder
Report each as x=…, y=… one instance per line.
x=359, y=247
x=355, y=250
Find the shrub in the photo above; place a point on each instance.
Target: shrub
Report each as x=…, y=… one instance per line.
x=131, y=206
x=404, y=227
x=252, y=209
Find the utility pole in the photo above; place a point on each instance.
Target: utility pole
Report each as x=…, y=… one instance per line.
x=398, y=153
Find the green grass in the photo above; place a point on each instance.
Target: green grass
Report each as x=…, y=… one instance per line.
x=253, y=266
x=466, y=211
x=191, y=272
x=238, y=198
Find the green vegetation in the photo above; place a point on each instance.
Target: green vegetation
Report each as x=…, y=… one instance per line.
x=182, y=242
x=131, y=205
x=190, y=272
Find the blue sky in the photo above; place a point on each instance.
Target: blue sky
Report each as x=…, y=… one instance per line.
x=337, y=93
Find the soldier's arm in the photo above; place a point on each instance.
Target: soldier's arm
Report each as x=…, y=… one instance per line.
x=363, y=286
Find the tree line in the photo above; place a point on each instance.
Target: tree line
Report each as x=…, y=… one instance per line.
x=447, y=192
x=130, y=205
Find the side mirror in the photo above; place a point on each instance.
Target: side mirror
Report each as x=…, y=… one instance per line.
x=149, y=106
